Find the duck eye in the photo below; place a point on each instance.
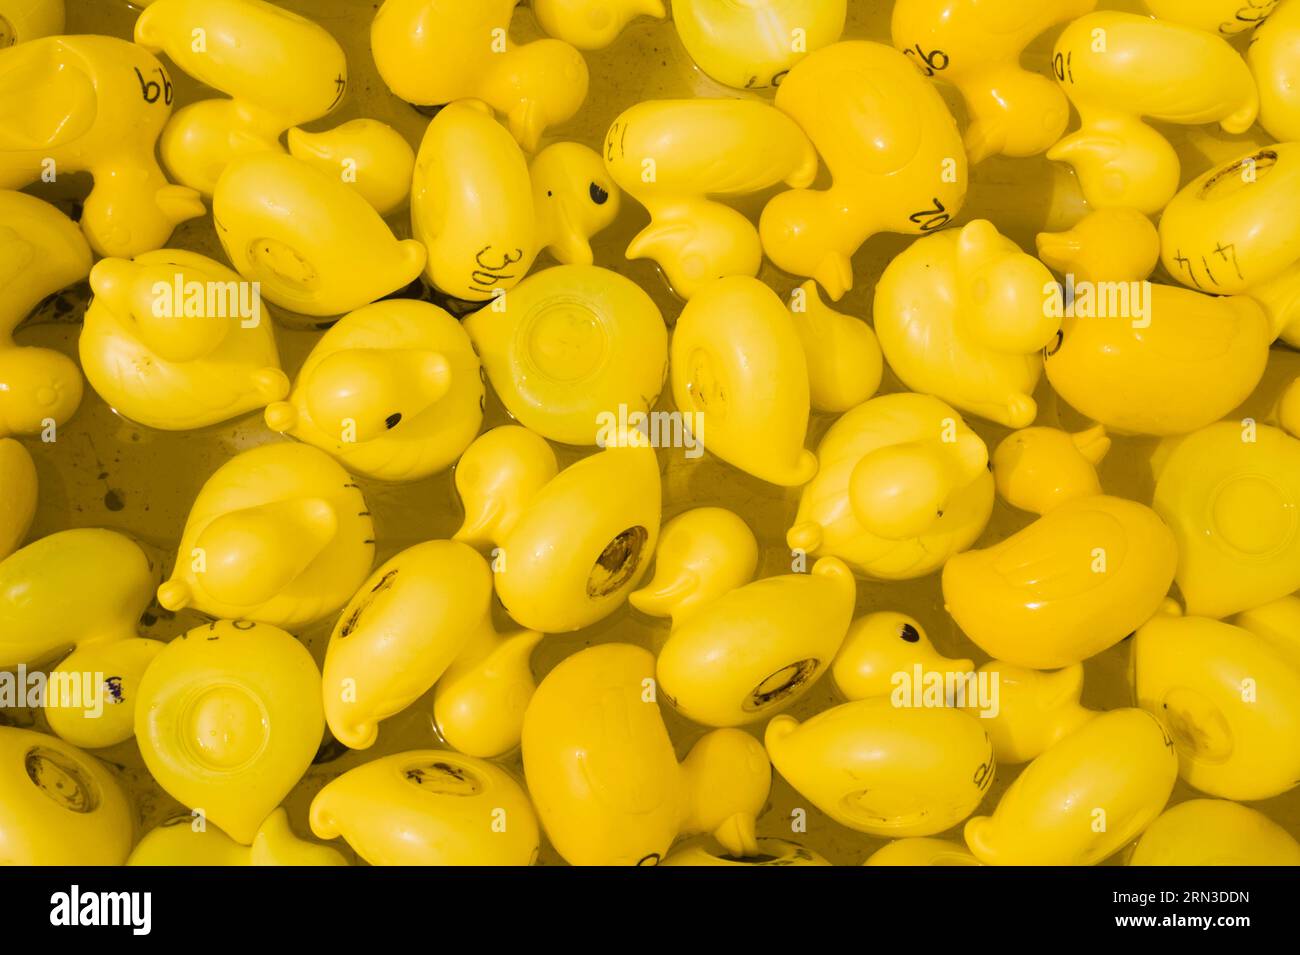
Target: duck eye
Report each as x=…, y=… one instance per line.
x=598, y=195
x=393, y=420
x=909, y=633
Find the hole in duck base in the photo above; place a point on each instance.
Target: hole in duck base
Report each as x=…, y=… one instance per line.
x=617, y=562
x=785, y=682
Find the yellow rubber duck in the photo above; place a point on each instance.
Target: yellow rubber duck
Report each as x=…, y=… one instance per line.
x=422, y=618
x=279, y=534
x=977, y=47
x=1085, y=798
x=94, y=104
x=1233, y=231
x=740, y=650
x=883, y=647
x=1215, y=832
x=1079, y=579
x=886, y=770
x=228, y=721
x=845, y=364
x=903, y=485
x=315, y=245
x=592, y=24
x=603, y=775
x=41, y=252
x=960, y=316
x=673, y=155
x=484, y=213
x=1228, y=18
x=754, y=45
x=23, y=20
x=1036, y=709
x=176, y=341
x=567, y=546
x=370, y=156
x=432, y=52
x=1272, y=58
x=922, y=852
x=60, y=806
x=1107, y=245
x=1287, y=411
x=177, y=843
x=893, y=149
x=1100, y=61
x=740, y=377
x=569, y=348
x=1230, y=493
x=18, y=494
x=85, y=588
x=771, y=852
x=1231, y=700
x=429, y=807
x=394, y=391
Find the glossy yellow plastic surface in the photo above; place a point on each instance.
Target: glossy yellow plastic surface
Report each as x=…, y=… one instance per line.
x=740, y=651
x=592, y=24
x=1230, y=493
x=277, y=68
x=903, y=485
x=23, y=20
x=59, y=806
x=737, y=365
x=278, y=534
x=421, y=618
x=176, y=842
x=41, y=252
x=920, y=851
x=1085, y=798
x=93, y=104
x=17, y=495
x=672, y=155
x=431, y=52
x=1037, y=469
x=429, y=807
x=1102, y=61
x=569, y=546
x=771, y=852
x=894, y=153
x=371, y=156
x=1073, y=583
x=845, y=363
x=484, y=214
x=1287, y=411
x=1274, y=58
x=393, y=391
x=1109, y=245
x=229, y=719
x=1228, y=18
x=886, y=770
x=1231, y=700
x=976, y=46
x=1036, y=709
x=1215, y=832
x=168, y=342
x=572, y=348
x=883, y=646
x=315, y=245
x=961, y=316
x=753, y=45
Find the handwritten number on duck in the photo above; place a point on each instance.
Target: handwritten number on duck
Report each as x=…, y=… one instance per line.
x=152, y=90
x=932, y=218
x=929, y=63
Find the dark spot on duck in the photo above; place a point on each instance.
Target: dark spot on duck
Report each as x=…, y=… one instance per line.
x=909, y=633
x=617, y=562
x=598, y=195
x=393, y=420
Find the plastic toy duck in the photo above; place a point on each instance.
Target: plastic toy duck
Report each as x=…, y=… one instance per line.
x=18, y=492
x=1215, y=832
x=603, y=775
x=753, y=45
x=229, y=719
x=177, y=843
x=315, y=245
x=278, y=534
x=371, y=156
x=740, y=651
x=1272, y=58
x=1287, y=410
x=569, y=346
x=1100, y=61
x=84, y=588
x=1085, y=798
x=976, y=47
x=484, y=214
x=903, y=485
x=1228, y=18
x=1107, y=245
x=1230, y=493
x=1230, y=697
x=893, y=149
x=672, y=155
x=432, y=52
x=886, y=770
x=881, y=646
x=61, y=806
x=740, y=377
x=921, y=852
x=429, y=807
x=845, y=364
x=960, y=316
x=394, y=391
x=94, y=104
x=422, y=618
x=592, y=24
x=568, y=546
x=163, y=350
x=23, y=20
x=1079, y=579
x=41, y=251
x=1213, y=234
x=771, y=852
x=1036, y=709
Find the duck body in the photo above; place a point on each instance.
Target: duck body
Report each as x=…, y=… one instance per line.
x=754, y=45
